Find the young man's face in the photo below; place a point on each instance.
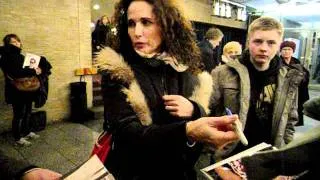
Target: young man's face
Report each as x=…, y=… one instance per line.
x=263, y=46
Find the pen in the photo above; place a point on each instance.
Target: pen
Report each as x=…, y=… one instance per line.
x=238, y=129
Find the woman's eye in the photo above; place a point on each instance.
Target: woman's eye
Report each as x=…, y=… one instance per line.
x=131, y=23
x=146, y=22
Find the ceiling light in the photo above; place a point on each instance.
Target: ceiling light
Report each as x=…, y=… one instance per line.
x=96, y=6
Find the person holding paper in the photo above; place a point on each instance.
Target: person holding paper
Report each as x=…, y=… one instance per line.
x=260, y=89
x=11, y=169
x=11, y=63
x=155, y=94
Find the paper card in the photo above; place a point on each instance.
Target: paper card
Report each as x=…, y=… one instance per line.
x=31, y=60
x=248, y=152
x=92, y=169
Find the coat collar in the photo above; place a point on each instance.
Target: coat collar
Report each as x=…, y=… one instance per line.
x=119, y=69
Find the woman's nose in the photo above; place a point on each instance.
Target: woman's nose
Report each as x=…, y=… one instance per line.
x=138, y=30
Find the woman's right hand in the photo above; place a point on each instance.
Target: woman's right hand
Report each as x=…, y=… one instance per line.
x=217, y=131
x=38, y=70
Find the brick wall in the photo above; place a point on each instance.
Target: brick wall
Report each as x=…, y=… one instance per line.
x=58, y=30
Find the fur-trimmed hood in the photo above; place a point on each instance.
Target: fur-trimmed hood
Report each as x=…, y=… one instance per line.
x=119, y=69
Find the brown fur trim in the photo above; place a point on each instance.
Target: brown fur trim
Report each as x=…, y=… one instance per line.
x=138, y=102
x=202, y=92
x=109, y=60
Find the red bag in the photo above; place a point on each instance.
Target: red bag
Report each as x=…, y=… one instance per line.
x=102, y=146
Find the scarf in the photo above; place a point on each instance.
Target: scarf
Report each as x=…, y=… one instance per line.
x=166, y=58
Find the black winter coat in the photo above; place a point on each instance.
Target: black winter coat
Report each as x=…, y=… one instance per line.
x=12, y=169
x=149, y=143
x=208, y=55
x=11, y=63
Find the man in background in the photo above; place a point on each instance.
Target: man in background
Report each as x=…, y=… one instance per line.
x=208, y=45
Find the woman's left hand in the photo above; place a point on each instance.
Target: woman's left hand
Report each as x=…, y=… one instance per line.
x=178, y=105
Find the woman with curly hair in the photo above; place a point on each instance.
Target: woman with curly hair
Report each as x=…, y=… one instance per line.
x=155, y=94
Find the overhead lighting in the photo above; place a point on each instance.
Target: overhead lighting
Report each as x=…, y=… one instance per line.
x=96, y=6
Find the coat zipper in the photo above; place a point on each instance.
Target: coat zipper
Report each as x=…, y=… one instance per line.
x=163, y=81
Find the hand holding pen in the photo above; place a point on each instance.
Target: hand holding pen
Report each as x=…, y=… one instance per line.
x=238, y=129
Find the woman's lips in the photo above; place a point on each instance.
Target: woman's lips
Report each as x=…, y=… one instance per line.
x=139, y=45
x=262, y=56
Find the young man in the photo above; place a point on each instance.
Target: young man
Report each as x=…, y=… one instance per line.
x=259, y=89
x=287, y=48
x=207, y=46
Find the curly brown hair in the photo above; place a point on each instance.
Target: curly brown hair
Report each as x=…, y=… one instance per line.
x=177, y=33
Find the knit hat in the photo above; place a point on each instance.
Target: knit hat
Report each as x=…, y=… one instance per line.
x=288, y=44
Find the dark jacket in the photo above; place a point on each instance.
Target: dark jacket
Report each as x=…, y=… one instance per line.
x=11, y=63
x=42, y=95
x=303, y=88
x=300, y=157
x=311, y=108
x=149, y=143
x=100, y=36
x=12, y=169
x=208, y=55
x=231, y=88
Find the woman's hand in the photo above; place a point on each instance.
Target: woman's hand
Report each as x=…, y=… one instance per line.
x=41, y=174
x=217, y=131
x=226, y=174
x=38, y=70
x=178, y=106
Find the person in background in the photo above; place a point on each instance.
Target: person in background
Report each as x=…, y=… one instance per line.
x=260, y=89
x=11, y=63
x=101, y=33
x=155, y=95
x=231, y=51
x=208, y=46
x=12, y=169
x=287, y=48
x=316, y=74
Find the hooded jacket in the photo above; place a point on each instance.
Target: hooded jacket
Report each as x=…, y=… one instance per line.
x=149, y=143
x=231, y=88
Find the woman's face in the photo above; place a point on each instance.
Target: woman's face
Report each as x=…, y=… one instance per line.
x=231, y=54
x=105, y=20
x=15, y=42
x=286, y=52
x=143, y=29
